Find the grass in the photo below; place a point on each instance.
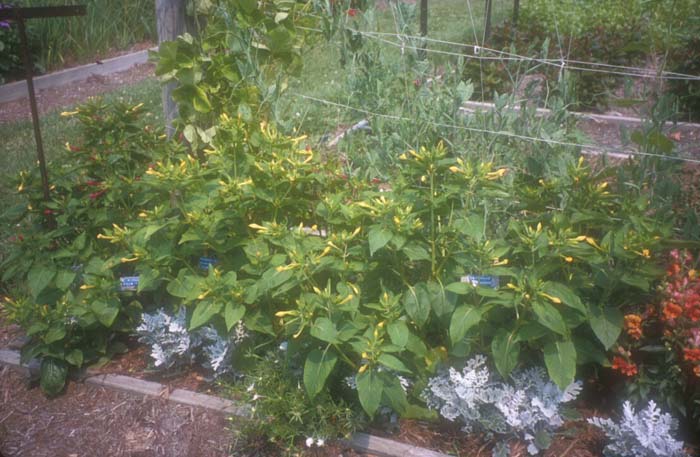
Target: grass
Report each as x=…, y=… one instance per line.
x=18, y=148
x=108, y=25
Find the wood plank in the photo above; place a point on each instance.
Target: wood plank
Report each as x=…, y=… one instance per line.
x=129, y=384
x=42, y=12
x=188, y=397
x=387, y=448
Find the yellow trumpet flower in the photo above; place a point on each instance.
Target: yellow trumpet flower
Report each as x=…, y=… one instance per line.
x=552, y=298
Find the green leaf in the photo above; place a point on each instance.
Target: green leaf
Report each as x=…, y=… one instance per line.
x=64, y=279
x=75, y=358
x=417, y=303
x=464, y=318
x=394, y=394
x=460, y=288
x=370, y=389
x=203, y=312
x=566, y=295
x=531, y=331
x=324, y=329
x=392, y=362
x=318, y=366
x=38, y=278
x=606, y=323
x=549, y=316
x=398, y=332
x=105, y=312
x=186, y=285
x=378, y=238
x=53, y=374
x=56, y=333
x=233, y=314
x=506, y=350
x=441, y=302
x=415, y=252
x=560, y=359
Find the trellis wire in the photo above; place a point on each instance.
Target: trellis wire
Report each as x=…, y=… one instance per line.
x=504, y=55
x=590, y=147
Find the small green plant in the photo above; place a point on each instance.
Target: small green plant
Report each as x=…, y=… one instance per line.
x=283, y=416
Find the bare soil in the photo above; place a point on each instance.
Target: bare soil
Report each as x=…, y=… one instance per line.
x=77, y=92
x=93, y=421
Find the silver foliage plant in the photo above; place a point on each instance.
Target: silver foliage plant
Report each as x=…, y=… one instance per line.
x=528, y=407
x=643, y=434
x=173, y=345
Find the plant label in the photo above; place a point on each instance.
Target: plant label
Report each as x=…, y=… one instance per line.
x=204, y=262
x=481, y=281
x=128, y=283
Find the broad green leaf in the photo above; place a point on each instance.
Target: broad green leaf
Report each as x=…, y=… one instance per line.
x=203, y=312
x=606, y=323
x=64, y=279
x=318, y=366
x=531, y=331
x=370, y=389
x=392, y=362
x=398, y=332
x=549, y=316
x=186, y=285
x=417, y=303
x=566, y=295
x=441, y=301
x=56, y=333
x=324, y=329
x=506, y=350
x=588, y=350
x=75, y=358
x=415, y=252
x=460, y=288
x=560, y=359
x=464, y=318
x=394, y=394
x=378, y=238
x=233, y=314
x=53, y=375
x=105, y=312
x=39, y=278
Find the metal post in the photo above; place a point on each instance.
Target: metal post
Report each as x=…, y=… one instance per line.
x=423, y=26
x=32, y=102
x=487, y=26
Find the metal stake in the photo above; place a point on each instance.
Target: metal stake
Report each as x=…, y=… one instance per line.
x=32, y=103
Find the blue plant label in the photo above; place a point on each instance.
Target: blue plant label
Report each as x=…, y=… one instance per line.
x=204, y=262
x=128, y=283
x=481, y=281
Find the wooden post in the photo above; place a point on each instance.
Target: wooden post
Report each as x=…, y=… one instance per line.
x=170, y=18
x=423, y=26
x=487, y=24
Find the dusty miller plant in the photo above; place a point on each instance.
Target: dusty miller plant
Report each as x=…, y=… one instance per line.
x=173, y=345
x=528, y=407
x=643, y=434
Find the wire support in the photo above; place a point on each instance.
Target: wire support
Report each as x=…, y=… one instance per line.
x=589, y=147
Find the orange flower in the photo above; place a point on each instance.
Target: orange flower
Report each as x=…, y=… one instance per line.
x=633, y=325
x=624, y=367
x=691, y=354
x=696, y=370
x=672, y=311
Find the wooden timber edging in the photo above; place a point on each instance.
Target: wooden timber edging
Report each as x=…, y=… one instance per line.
x=17, y=90
x=362, y=442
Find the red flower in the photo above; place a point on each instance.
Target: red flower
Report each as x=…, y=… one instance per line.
x=48, y=212
x=672, y=311
x=691, y=354
x=352, y=12
x=417, y=82
x=96, y=195
x=93, y=183
x=376, y=180
x=75, y=148
x=624, y=367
